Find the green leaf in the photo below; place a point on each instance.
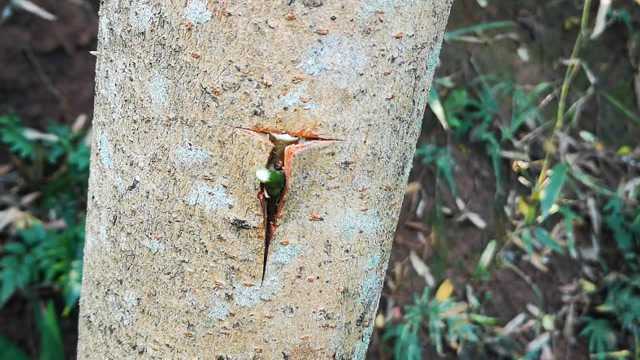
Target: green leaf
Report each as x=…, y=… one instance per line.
x=545, y=239
x=455, y=109
x=9, y=284
x=569, y=216
x=72, y=284
x=12, y=134
x=553, y=189
x=443, y=161
x=62, y=131
x=622, y=108
x=54, y=153
x=474, y=29
x=33, y=235
x=79, y=158
x=527, y=240
x=601, y=335
x=15, y=248
x=64, y=145
x=524, y=108
x=10, y=351
x=616, y=220
x=483, y=320
x=407, y=343
x=51, y=347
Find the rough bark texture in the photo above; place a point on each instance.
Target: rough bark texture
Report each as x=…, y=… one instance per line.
x=175, y=232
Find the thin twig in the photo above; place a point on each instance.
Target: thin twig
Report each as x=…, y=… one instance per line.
x=46, y=80
x=572, y=70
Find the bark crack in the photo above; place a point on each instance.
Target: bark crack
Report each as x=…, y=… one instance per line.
x=274, y=177
x=273, y=182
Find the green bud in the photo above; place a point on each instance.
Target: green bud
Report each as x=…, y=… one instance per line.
x=273, y=181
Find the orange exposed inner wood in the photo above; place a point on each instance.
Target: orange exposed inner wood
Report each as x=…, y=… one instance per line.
x=306, y=134
x=273, y=207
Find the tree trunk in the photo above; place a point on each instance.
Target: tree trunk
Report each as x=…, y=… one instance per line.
x=188, y=93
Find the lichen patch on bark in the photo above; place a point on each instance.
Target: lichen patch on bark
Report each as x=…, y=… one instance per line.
x=433, y=60
x=209, y=198
x=293, y=98
x=188, y=155
x=250, y=295
x=353, y=222
x=196, y=11
x=104, y=149
x=158, y=93
x=219, y=309
x=154, y=245
x=141, y=15
x=340, y=59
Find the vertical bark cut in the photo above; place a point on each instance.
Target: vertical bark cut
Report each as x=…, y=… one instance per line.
x=173, y=265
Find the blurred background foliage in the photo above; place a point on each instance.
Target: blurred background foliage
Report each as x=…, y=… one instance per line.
x=520, y=229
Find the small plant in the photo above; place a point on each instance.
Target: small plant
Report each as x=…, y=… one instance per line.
x=620, y=311
x=441, y=317
x=616, y=321
x=625, y=226
x=45, y=248
x=12, y=133
x=41, y=257
x=474, y=113
x=444, y=164
x=51, y=347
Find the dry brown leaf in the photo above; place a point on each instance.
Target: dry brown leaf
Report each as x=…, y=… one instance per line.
x=421, y=268
x=601, y=18
x=29, y=198
x=28, y=6
x=10, y=216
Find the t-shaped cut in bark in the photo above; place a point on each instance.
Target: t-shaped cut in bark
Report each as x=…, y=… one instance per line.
x=272, y=192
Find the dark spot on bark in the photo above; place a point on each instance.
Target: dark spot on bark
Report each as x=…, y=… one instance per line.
x=327, y=251
x=241, y=224
x=133, y=185
x=288, y=310
x=346, y=164
x=312, y=3
x=361, y=318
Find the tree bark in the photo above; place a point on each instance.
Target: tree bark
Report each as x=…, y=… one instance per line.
x=187, y=93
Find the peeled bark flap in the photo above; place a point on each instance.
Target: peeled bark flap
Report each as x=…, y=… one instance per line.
x=175, y=231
